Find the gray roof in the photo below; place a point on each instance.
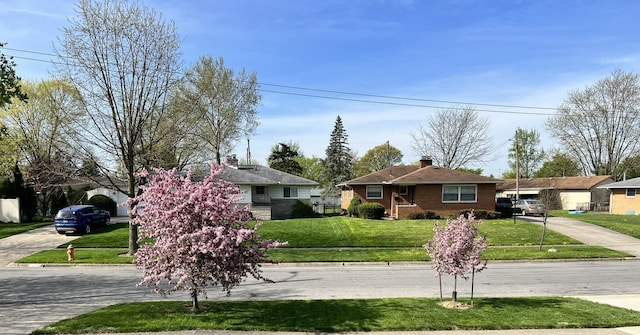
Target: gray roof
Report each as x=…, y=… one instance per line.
x=262, y=175
x=629, y=183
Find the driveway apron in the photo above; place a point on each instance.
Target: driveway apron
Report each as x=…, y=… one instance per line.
x=590, y=234
x=15, y=247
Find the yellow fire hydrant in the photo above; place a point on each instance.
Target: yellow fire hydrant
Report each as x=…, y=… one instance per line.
x=70, y=253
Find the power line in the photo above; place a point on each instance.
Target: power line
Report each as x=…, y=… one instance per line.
x=403, y=104
x=416, y=105
x=407, y=98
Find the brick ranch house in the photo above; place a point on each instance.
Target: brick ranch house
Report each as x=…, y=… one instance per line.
x=418, y=188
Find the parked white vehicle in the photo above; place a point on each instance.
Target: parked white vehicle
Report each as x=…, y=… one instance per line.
x=530, y=207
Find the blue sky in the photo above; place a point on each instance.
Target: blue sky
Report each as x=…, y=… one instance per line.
x=500, y=53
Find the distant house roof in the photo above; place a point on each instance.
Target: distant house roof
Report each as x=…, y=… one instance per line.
x=560, y=183
x=415, y=174
x=262, y=175
x=438, y=175
x=629, y=183
x=383, y=176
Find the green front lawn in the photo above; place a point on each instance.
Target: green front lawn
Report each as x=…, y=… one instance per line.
x=340, y=231
x=343, y=239
x=348, y=315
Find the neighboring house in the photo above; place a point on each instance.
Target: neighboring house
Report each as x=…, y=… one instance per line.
x=270, y=193
x=420, y=188
x=574, y=192
x=624, y=197
x=97, y=187
x=118, y=197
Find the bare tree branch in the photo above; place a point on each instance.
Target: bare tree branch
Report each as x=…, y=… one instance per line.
x=454, y=138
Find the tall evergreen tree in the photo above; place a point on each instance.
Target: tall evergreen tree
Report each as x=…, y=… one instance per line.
x=283, y=158
x=339, y=159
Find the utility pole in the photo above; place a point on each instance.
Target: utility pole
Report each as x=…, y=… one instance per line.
x=515, y=141
x=517, y=168
x=388, y=156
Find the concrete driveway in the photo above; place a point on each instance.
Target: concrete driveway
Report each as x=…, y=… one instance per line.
x=589, y=234
x=18, y=246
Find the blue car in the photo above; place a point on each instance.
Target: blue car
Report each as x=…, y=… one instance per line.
x=80, y=219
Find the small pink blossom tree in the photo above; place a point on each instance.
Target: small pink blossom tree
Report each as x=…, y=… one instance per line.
x=456, y=249
x=194, y=234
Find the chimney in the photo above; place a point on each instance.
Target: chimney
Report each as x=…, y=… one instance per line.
x=425, y=161
x=232, y=161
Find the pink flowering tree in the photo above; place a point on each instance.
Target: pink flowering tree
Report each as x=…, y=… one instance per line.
x=194, y=234
x=456, y=250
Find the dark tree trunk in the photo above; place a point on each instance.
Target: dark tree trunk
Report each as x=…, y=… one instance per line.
x=194, y=300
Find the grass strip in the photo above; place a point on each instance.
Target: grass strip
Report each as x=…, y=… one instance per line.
x=116, y=256
x=348, y=315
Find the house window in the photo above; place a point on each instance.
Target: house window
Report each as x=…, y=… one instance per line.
x=290, y=192
x=459, y=193
x=374, y=192
x=260, y=190
x=403, y=190
x=631, y=193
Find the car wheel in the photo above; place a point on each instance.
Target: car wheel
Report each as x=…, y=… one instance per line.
x=60, y=232
x=524, y=212
x=107, y=221
x=87, y=229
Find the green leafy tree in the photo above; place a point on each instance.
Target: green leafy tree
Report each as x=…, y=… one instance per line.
x=600, y=124
x=477, y=171
x=525, y=154
x=312, y=168
x=9, y=88
x=629, y=168
x=376, y=159
x=339, y=159
x=283, y=158
x=560, y=165
x=40, y=128
x=9, y=81
x=223, y=104
x=9, y=153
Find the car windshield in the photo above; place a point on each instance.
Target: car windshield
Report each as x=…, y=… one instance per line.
x=64, y=215
x=534, y=202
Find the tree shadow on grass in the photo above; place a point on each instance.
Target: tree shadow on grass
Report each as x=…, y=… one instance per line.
x=293, y=315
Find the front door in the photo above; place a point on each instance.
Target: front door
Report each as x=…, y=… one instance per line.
x=259, y=194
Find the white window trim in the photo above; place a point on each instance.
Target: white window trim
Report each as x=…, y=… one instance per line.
x=627, y=195
x=376, y=186
x=291, y=196
x=458, y=201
